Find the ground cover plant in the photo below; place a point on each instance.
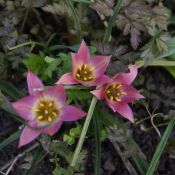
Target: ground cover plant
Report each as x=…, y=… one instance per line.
x=87, y=87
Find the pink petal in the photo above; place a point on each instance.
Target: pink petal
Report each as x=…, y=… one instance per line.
x=72, y=113
x=124, y=110
x=126, y=78
x=100, y=63
x=98, y=81
x=34, y=83
x=83, y=53
x=57, y=92
x=51, y=130
x=67, y=79
x=99, y=93
x=27, y=136
x=132, y=94
x=24, y=107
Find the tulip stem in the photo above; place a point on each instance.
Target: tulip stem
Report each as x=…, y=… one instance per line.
x=84, y=131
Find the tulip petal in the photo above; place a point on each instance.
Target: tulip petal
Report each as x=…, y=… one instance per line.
x=51, y=130
x=132, y=94
x=56, y=92
x=100, y=63
x=24, y=107
x=27, y=136
x=34, y=83
x=67, y=78
x=72, y=113
x=99, y=93
x=83, y=53
x=124, y=110
x=126, y=78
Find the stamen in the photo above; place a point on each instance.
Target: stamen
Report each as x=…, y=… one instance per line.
x=54, y=114
x=40, y=117
x=46, y=111
x=111, y=97
x=85, y=73
x=36, y=110
x=49, y=119
x=78, y=75
x=41, y=104
x=92, y=69
x=114, y=92
x=50, y=104
x=123, y=93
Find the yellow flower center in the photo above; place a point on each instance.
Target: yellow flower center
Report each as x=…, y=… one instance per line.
x=114, y=92
x=46, y=111
x=85, y=73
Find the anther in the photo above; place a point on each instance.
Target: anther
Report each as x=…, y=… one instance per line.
x=49, y=119
x=92, y=69
x=54, y=114
x=78, y=75
x=123, y=93
x=40, y=117
x=41, y=104
x=36, y=110
x=85, y=79
x=50, y=104
x=84, y=66
x=117, y=99
x=111, y=97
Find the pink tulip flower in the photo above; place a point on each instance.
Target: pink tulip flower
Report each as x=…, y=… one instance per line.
x=86, y=70
x=45, y=110
x=118, y=93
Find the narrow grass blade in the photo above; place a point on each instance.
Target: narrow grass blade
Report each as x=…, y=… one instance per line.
x=10, y=90
x=10, y=139
x=160, y=147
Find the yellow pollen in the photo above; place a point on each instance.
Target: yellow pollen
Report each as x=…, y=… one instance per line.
x=119, y=86
x=41, y=104
x=49, y=119
x=46, y=111
x=40, y=117
x=123, y=93
x=85, y=73
x=114, y=92
x=117, y=99
x=37, y=110
x=111, y=97
x=78, y=75
x=54, y=113
x=50, y=104
x=92, y=69
x=85, y=66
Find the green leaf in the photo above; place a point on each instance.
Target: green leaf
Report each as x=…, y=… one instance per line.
x=52, y=67
x=37, y=64
x=171, y=70
x=160, y=147
x=10, y=139
x=10, y=90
